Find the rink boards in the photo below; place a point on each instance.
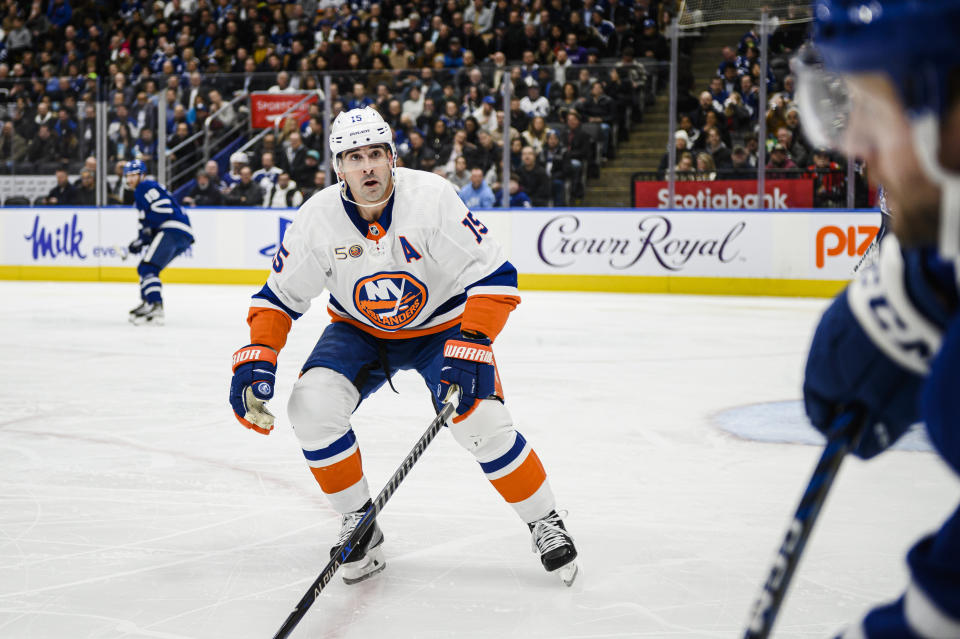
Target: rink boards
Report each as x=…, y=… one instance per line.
x=783, y=253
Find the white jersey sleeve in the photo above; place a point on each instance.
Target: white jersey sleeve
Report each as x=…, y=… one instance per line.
x=298, y=274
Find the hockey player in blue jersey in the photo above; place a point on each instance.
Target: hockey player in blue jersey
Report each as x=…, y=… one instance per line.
x=880, y=82
x=164, y=234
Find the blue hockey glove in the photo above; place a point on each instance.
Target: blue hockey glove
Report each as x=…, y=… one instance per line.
x=254, y=376
x=873, y=347
x=845, y=367
x=468, y=363
x=135, y=246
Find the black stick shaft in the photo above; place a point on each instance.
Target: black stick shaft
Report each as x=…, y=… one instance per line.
x=368, y=518
x=843, y=435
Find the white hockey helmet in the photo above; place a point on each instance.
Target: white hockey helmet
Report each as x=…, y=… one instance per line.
x=356, y=128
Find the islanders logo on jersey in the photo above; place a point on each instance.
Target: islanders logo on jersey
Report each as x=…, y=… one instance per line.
x=390, y=300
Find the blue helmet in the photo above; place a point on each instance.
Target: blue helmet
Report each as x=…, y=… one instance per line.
x=914, y=44
x=134, y=166
x=914, y=41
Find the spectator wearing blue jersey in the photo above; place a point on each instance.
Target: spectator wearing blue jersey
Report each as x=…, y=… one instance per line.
x=518, y=199
x=59, y=12
x=477, y=194
x=359, y=97
x=146, y=146
x=165, y=233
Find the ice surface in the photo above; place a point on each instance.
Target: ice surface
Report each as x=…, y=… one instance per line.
x=133, y=505
x=786, y=422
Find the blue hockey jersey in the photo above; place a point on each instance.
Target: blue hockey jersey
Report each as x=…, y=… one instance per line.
x=930, y=606
x=159, y=211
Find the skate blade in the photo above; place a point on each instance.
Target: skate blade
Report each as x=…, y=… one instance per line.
x=357, y=571
x=147, y=321
x=568, y=573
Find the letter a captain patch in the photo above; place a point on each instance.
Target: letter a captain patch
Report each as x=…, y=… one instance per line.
x=408, y=251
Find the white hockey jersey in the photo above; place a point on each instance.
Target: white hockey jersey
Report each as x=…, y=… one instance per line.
x=408, y=274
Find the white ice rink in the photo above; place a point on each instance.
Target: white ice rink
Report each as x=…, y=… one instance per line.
x=132, y=504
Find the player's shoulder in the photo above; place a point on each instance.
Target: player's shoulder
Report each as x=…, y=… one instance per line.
x=322, y=201
x=408, y=179
x=422, y=190
x=321, y=210
x=147, y=184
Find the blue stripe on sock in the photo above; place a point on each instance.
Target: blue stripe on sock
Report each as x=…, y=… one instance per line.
x=337, y=447
x=506, y=458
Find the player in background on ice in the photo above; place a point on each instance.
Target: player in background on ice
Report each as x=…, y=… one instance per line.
x=416, y=283
x=164, y=234
x=880, y=83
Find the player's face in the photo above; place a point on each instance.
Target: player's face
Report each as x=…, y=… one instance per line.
x=366, y=171
x=879, y=132
x=133, y=179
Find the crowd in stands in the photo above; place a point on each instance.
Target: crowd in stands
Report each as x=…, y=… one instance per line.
x=435, y=69
x=717, y=135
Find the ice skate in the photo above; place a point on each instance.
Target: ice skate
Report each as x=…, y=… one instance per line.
x=555, y=545
x=147, y=313
x=366, y=560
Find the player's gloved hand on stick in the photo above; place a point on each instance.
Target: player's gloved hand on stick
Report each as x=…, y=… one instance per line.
x=254, y=376
x=143, y=239
x=845, y=367
x=468, y=363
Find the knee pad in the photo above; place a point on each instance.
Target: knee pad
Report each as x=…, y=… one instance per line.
x=145, y=269
x=487, y=431
x=320, y=407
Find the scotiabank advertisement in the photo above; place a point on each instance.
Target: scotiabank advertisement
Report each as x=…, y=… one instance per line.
x=265, y=108
x=724, y=194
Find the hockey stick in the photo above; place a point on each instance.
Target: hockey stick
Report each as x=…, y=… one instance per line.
x=122, y=251
x=843, y=437
x=313, y=593
x=871, y=255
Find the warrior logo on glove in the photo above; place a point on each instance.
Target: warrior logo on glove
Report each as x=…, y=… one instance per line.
x=468, y=362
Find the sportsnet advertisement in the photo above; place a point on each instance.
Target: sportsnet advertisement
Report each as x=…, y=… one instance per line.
x=265, y=108
x=748, y=252
x=724, y=194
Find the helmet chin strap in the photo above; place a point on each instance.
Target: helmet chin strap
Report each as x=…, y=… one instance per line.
x=926, y=141
x=393, y=175
x=343, y=194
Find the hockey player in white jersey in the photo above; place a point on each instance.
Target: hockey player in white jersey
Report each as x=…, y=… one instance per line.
x=415, y=282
